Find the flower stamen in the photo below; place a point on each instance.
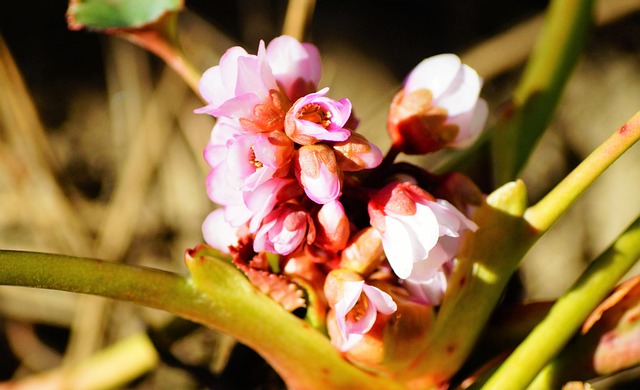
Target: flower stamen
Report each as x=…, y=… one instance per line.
x=314, y=112
x=359, y=309
x=253, y=160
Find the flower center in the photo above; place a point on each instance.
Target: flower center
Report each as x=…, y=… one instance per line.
x=253, y=160
x=313, y=112
x=358, y=310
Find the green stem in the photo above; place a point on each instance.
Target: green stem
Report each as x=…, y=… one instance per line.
x=548, y=210
x=225, y=301
x=536, y=97
x=568, y=314
x=486, y=261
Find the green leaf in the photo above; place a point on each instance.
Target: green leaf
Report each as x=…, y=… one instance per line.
x=108, y=14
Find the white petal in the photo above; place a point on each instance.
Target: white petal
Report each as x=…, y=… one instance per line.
x=462, y=94
x=434, y=73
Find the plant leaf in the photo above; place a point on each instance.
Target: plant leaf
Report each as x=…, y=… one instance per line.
x=110, y=14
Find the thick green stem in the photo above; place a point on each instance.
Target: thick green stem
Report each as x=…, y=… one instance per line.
x=218, y=296
x=568, y=314
x=486, y=261
x=553, y=205
x=536, y=97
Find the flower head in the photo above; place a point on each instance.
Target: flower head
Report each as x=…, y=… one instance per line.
x=438, y=107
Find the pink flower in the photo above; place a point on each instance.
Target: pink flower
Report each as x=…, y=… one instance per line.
x=438, y=107
x=296, y=66
x=239, y=83
x=416, y=228
x=357, y=309
x=317, y=171
x=218, y=233
x=265, y=197
x=252, y=159
x=284, y=229
x=315, y=118
x=218, y=188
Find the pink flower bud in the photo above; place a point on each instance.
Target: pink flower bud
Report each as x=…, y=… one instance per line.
x=262, y=200
x=317, y=171
x=438, y=107
x=332, y=227
x=356, y=153
x=364, y=252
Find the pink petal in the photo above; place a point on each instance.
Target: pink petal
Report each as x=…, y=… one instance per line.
x=380, y=299
x=350, y=294
x=291, y=60
x=217, y=232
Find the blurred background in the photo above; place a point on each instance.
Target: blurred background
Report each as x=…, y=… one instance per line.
x=100, y=153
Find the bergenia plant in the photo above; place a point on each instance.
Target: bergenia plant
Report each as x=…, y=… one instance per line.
x=347, y=269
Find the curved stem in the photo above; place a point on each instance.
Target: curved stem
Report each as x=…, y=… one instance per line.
x=568, y=314
x=218, y=296
x=548, y=210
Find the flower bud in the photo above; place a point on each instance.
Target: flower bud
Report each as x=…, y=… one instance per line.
x=356, y=153
x=364, y=253
x=317, y=171
x=332, y=227
x=438, y=107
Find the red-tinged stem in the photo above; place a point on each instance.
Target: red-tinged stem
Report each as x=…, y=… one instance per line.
x=159, y=39
x=548, y=210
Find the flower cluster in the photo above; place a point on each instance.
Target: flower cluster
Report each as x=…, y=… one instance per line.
x=294, y=179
